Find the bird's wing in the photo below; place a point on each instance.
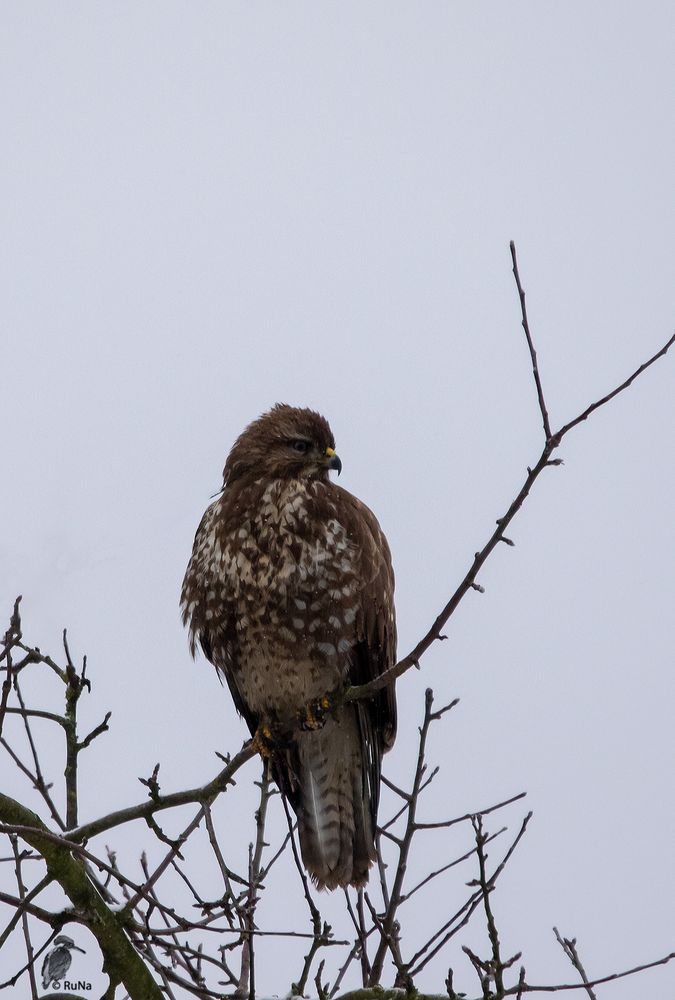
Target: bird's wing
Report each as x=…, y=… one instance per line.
x=216, y=635
x=227, y=666
x=375, y=648
x=375, y=624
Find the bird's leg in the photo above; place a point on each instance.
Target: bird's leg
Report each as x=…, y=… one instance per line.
x=263, y=741
x=269, y=739
x=272, y=736
x=313, y=715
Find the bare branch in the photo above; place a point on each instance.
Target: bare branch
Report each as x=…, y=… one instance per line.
x=101, y=728
x=569, y=946
x=254, y=881
x=12, y=636
x=395, y=896
x=615, y=392
x=37, y=782
x=497, y=966
x=564, y=987
x=21, y=906
x=205, y=794
x=553, y=440
x=470, y=816
x=24, y=919
x=530, y=344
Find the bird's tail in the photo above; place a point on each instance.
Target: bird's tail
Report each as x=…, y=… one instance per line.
x=330, y=792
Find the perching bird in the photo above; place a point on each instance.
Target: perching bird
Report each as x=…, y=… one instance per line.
x=289, y=592
x=57, y=961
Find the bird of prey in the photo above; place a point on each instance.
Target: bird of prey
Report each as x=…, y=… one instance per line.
x=57, y=961
x=289, y=592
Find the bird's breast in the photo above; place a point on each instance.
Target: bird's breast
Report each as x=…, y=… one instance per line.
x=286, y=547
x=292, y=575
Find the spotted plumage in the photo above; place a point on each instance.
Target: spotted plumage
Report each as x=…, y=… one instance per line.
x=289, y=592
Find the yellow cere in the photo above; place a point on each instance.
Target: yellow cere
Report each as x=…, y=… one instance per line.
x=330, y=452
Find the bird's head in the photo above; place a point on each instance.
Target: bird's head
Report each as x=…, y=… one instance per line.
x=287, y=442
x=68, y=943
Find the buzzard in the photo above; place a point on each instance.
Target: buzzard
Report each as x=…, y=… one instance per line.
x=289, y=592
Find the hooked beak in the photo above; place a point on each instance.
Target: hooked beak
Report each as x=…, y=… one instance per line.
x=333, y=460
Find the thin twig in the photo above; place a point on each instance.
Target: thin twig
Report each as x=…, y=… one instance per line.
x=530, y=344
x=227, y=875
x=497, y=966
x=24, y=919
x=40, y=784
x=569, y=946
x=361, y=943
x=563, y=987
x=12, y=637
x=36, y=781
x=205, y=794
x=391, y=941
x=442, y=824
x=166, y=861
x=387, y=930
x=615, y=392
x=343, y=969
x=254, y=869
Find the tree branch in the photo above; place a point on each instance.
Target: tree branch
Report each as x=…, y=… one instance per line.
x=204, y=794
x=553, y=440
x=569, y=946
x=530, y=344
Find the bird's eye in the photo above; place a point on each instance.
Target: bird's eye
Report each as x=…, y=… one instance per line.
x=302, y=447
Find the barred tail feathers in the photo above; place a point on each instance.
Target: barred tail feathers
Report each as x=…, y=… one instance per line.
x=333, y=805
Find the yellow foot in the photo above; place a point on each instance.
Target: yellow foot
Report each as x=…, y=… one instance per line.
x=263, y=741
x=313, y=716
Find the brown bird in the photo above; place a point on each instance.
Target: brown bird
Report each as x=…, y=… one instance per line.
x=289, y=592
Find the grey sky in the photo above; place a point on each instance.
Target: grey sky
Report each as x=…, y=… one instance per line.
x=208, y=208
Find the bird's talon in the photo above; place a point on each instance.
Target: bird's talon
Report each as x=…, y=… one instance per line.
x=313, y=716
x=263, y=741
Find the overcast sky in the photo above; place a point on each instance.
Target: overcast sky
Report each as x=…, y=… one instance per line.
x=208, y=208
